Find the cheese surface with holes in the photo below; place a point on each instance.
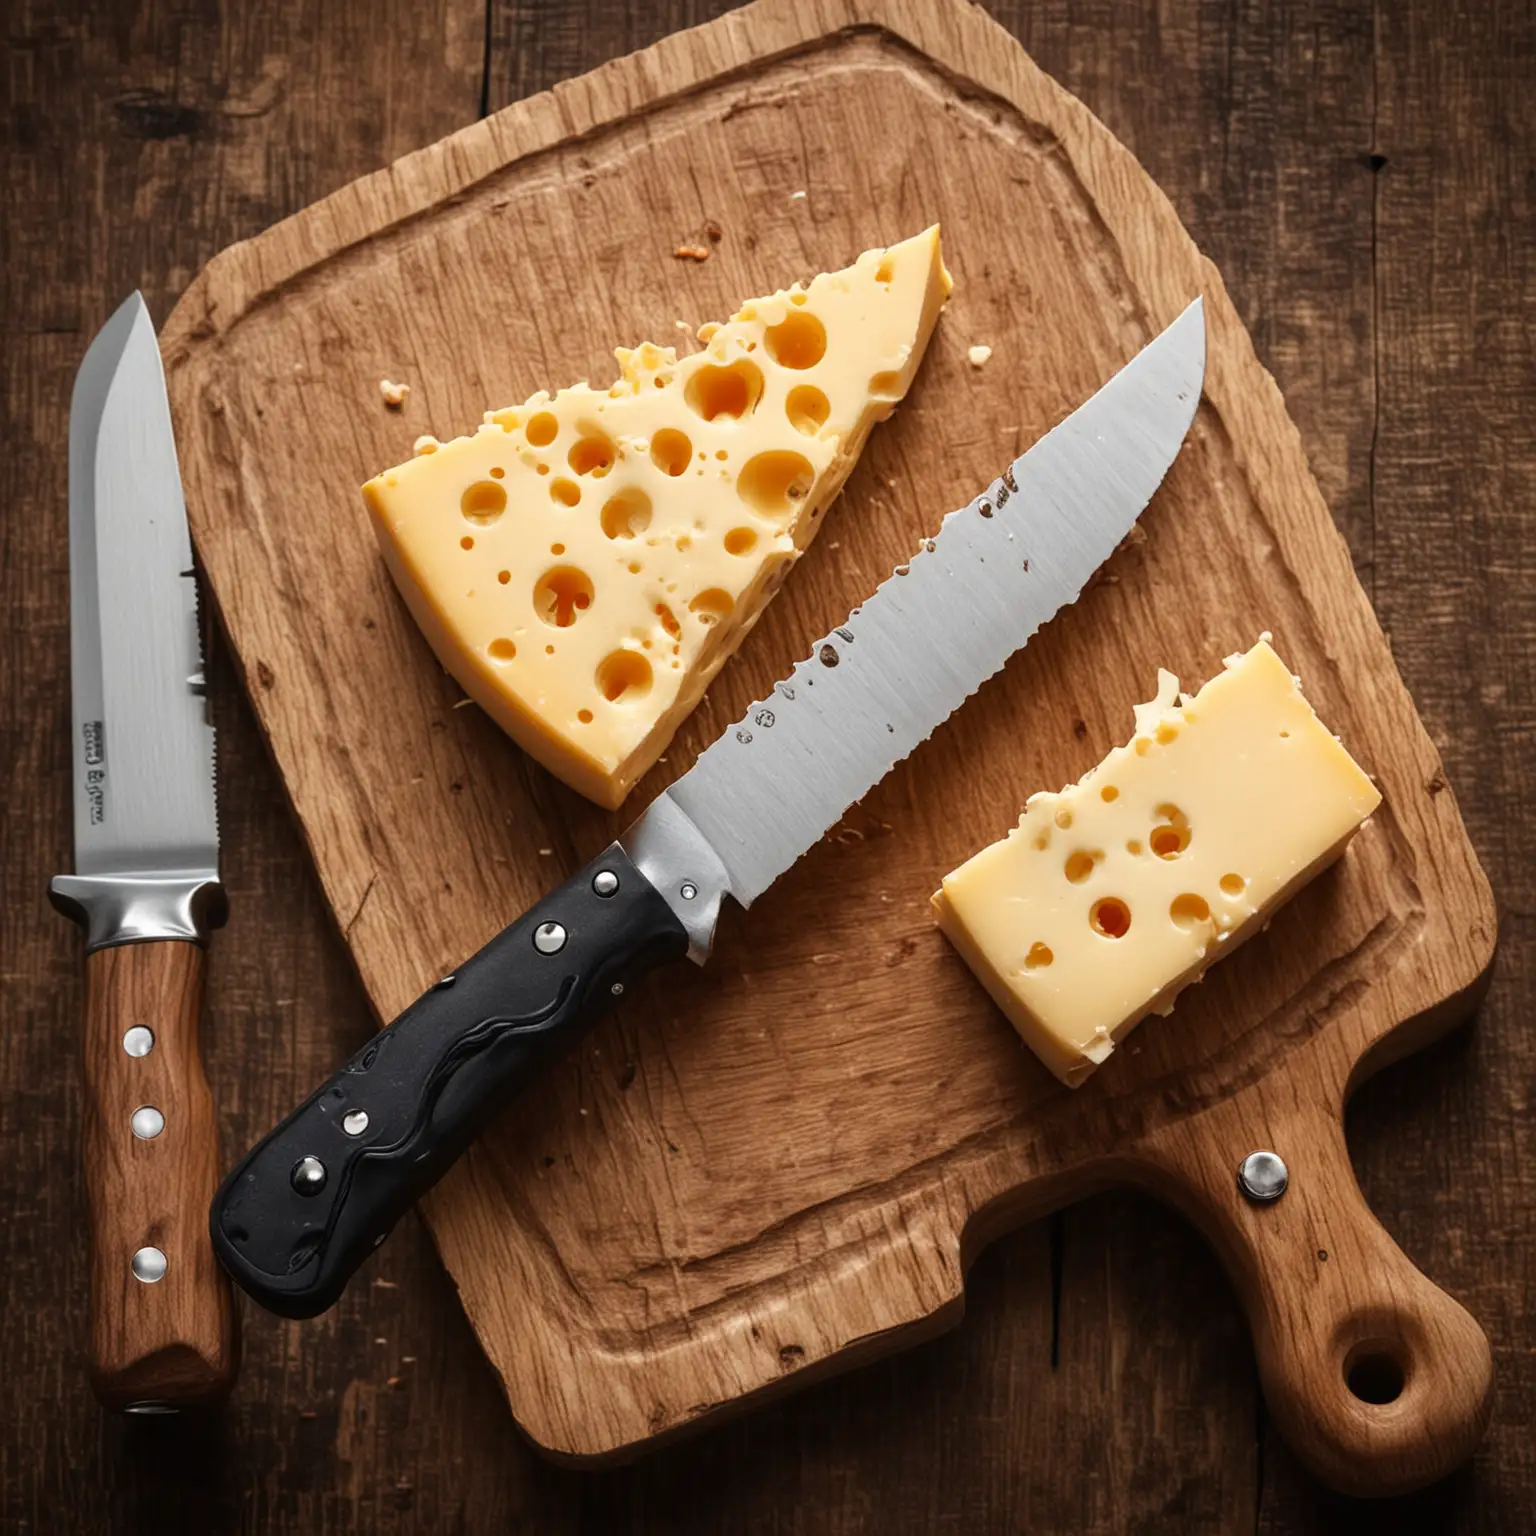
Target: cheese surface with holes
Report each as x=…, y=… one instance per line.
x=1110, y=897
x=584, y=563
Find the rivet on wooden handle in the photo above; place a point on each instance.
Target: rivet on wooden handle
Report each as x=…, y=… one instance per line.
x=1378, y=1380
x=162, y=1320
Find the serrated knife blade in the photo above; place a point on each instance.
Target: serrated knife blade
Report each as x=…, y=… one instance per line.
x=903, y=661
x=303, y=1209
x=145, y=887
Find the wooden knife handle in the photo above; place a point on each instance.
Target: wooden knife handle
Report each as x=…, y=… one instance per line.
x=1378, y=1380
x=167, y=1341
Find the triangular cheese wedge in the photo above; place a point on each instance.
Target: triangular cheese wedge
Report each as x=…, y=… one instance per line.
x=584, y=564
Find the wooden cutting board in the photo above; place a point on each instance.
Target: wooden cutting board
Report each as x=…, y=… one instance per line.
x=783, y=1164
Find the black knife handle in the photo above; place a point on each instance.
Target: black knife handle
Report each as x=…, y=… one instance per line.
x=304, y=1208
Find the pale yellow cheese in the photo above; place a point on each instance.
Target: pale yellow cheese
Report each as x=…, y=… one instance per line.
x=1111, y=896
x=583, y=564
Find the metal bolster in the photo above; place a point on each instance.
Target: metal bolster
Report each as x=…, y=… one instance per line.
x=134, y=909
x=671, y=852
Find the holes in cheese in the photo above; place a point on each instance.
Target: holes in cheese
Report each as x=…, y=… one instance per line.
x=732, y=391
x=671, y=451
x=624, y=677
x=541, y=429
x=502, y=650
x=687, y=486
x=628, y=514
x=798, y=341
x=483, y=502
x=1111, y=917
x=562, y=594
x=1171, y=836
x=773, y=484
x=1215, y=813
x=712, y=605
x=592, y=453
x=807, y=409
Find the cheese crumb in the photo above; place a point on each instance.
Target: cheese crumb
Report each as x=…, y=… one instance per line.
x=692, y=253
x=394, y=394
x=979, y=355
x=797, y=197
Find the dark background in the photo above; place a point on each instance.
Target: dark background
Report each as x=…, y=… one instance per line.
x=1363, y=175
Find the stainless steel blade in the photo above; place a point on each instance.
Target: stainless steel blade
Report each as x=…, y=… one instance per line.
x=143, y=748
x=905, y=659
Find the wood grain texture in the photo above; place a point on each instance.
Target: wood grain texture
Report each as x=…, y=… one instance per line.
x=630, y=1274
x=171, y=1341
x=1381, y=1382
x=1101, y=1382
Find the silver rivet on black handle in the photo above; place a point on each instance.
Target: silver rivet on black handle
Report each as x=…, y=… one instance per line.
x=549, y=938
x=308, y=1176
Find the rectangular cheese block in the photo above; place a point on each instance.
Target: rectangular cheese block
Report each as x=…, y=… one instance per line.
x=1111, y=896
x=585, y=563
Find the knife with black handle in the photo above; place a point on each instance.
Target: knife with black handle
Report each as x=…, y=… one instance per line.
x=305, y=1207
x=313, y=1200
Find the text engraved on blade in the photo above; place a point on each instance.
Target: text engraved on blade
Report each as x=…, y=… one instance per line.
x=95, y=743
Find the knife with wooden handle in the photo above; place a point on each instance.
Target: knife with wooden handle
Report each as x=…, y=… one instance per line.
x=145, y=888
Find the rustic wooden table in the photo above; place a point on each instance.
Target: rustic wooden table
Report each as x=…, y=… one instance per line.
x=1362, y=177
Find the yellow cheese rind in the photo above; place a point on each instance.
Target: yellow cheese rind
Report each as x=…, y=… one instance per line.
x=584, y=563
x=1215, y=813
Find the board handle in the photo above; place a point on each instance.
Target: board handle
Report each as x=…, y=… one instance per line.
x=1379, y=1381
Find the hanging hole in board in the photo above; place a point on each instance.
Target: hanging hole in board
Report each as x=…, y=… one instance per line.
x=1374, y=1374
